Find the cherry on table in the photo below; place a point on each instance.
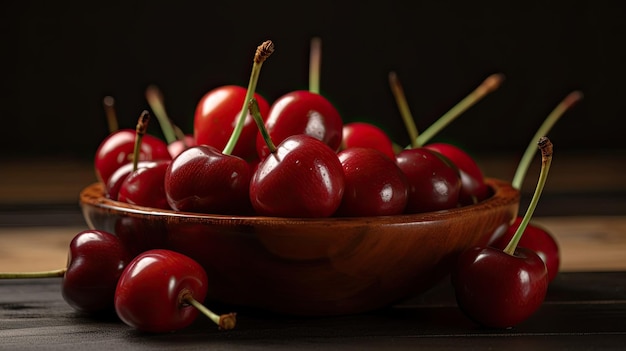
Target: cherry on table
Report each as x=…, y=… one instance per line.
x=162, y=291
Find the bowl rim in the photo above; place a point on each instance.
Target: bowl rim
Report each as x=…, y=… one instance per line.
x=503, y=194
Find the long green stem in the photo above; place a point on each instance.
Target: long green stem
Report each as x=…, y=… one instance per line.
x=315, y=62
x=403, y=106
x=39, y=274
x=545, y=145
x=490, y=84
x=522, y=168
x=155, y=100
x=263, y=51
x=140, y=131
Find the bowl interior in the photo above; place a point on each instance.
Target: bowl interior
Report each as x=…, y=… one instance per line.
x=309, y=266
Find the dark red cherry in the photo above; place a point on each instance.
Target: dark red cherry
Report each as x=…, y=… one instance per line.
x=146, y=186
x=302, y=178
x=203, y=179
x=434, y=183
x=374, y=184
x=363, y=134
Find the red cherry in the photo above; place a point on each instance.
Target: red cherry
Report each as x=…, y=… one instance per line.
x=302, y=112
x=156, y=289
x=363, y=134
x=537, y=239
x=117, y=149
x=434, y=183
x=113, y=184
x=96, y=260
x=217, y=113
x=146, y=186
x=374, y=184
x=473, y=187
x=302, y=178
x=203, y=179
x=499, y=290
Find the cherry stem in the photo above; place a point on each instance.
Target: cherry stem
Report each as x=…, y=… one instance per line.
x=256, y=114
x=570, y=100
x=109, y=110
x=263, y=51
x=403, y=106
x=40, y=274
x=224, y=321
x=545, y=145
x=315, y=62
x=155, y=100
x=140, y=131
x=489, y=85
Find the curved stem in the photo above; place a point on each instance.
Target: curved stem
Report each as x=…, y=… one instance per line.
x=40, y=274
x=155, y=100
x=522, y=168
x=263, y=51
x=315, y=62
x=545, y=145
x=403, y=106
x=490, y=84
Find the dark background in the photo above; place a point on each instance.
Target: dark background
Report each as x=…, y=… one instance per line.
x=62, y=57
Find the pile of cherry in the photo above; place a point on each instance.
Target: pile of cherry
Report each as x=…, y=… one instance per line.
x=294, y=158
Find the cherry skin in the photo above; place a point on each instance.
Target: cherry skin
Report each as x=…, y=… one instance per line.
x=363, y=134
x=303, y=178
x=302, y=112
x=113, y=184
x=203, y=179
x=374, y=184
x=537, y=239
x=473, y=188
x=96, y=260
x=146, y=186
x=434, y=183
x=216, y=115
x=118, y=147
x=499, y=290
x=152, y=291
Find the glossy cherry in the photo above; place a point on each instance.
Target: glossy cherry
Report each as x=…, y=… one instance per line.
x=363, y=134
x=500, y=288
x=473, y=187
x=374, y=184
x=161, y=291
x=538, y=239
x=203, y=179
x=117, y=149
x=216, y=115
x=96, y=260
x=302, y=112
x=303, y=177
x=112, y=186
x=145, y=186
x=434, y=182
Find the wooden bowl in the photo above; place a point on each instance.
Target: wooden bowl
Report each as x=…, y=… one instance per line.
x=310, y=267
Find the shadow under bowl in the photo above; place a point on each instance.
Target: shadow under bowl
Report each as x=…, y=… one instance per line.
x=310, y=266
